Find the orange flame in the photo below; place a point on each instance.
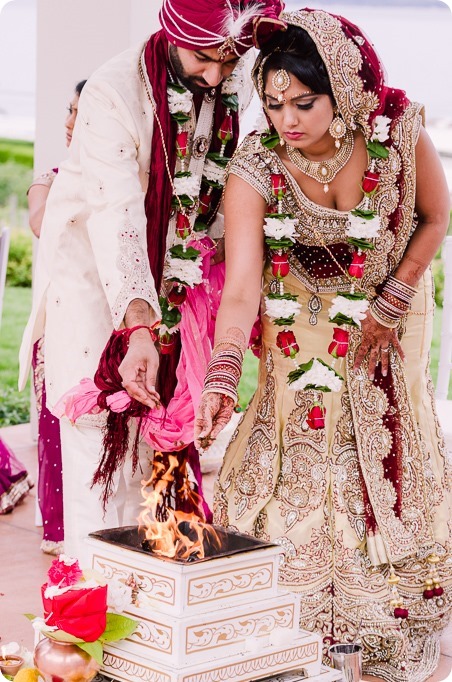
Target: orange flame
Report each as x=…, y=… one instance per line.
x=171, y=533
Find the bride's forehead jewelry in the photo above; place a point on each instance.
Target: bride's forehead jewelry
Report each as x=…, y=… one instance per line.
x=303, y=93
x=281, y=82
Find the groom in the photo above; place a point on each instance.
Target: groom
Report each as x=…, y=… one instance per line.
x=114, y=211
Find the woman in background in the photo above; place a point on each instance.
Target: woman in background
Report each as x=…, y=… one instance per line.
x=50, y=483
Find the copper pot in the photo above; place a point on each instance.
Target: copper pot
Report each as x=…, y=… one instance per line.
x=64, y=662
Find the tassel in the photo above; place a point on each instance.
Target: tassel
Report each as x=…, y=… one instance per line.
x=432, y=582
x=396, y=601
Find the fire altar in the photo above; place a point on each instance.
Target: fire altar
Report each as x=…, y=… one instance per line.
x=212, y=619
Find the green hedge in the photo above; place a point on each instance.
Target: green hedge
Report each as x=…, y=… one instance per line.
x=16, y=151
x=18, y=273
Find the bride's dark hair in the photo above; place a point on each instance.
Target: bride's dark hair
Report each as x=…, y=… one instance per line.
x=294, y=51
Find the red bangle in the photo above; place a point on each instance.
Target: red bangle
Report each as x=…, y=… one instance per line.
x=129, y=331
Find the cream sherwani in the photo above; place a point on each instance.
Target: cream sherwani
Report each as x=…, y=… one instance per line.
x=92, y=262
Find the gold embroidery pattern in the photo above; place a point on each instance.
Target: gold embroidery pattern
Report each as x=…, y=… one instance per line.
x=301, y=486
x=408, y=534
x=254, y=480
x=134, y=266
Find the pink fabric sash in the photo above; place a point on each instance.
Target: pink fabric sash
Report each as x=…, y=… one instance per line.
x=170, y=428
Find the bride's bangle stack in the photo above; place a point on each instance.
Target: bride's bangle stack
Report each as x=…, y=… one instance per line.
x=393, y=302
x=225, y=369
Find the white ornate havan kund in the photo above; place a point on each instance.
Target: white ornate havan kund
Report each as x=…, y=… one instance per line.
x=217, y=620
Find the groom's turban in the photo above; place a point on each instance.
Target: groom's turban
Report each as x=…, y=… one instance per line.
x=228, y=25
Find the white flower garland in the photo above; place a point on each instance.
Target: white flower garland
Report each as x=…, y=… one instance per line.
x=355, y=310
x=280, y=229
x=318, y=376
x=277, y=308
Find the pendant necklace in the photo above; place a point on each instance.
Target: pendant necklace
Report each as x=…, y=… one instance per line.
x=324, y=171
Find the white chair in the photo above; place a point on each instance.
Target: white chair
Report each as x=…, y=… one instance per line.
x=443, y=405
x=4, y=251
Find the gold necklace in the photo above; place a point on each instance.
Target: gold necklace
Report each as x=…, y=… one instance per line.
x=324, y=171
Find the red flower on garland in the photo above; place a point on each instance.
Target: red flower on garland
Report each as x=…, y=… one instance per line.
x=287, y=343
x=370, y=182
x=81, y=613
x=183, y=227
x=356, y=267
x=316, y=417
x=279, y=187
x=339, y=345
x=64, y=572
x=177, y=295
x=225, y=133
x=280, y=265
x=167, y=343
x=204, y=203
x=182, y=145
x=272, y=208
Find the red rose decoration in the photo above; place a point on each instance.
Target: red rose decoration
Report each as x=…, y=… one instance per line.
x=356, y=267
x=183, y=227
x=316, y=417
x=280, y=265
x=177, y=295
x=279, y=187
x=204, y=203
x=182, y=145
x=339, y=345
x=225, y=133
x=370, y=182
x=287, y=343
x=272, y=208
x=81, y=613
x=63, y=574
x=167, y=343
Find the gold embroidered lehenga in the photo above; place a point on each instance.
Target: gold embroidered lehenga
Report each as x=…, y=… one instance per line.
x=326, y=495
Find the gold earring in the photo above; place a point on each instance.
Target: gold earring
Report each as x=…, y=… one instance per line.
x=337, y=130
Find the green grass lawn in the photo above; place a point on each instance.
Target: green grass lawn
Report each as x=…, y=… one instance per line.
x=14, y=405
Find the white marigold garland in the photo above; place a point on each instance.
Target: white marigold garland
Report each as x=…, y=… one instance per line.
x=347, y=309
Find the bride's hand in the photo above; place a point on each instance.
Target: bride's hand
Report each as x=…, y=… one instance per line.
x=376, y=342
x=214, y=413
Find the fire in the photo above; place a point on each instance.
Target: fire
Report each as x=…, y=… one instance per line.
x=172, y=533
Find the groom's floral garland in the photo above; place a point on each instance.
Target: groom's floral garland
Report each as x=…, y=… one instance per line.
x=348, y=308
x=192, y=198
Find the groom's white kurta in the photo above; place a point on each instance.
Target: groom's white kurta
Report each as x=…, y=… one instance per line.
x=92, y=263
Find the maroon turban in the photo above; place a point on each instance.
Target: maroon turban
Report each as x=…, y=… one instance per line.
x=228, y=25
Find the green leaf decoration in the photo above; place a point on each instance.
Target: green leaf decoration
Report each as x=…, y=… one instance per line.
x=183, y=200
x=118, y=627
x=30, y=616
x=177, y=251
x=61, y=636
x=376, y=150
x=182, y=174
x=270, y=141
x=365, y=213
x=170, y=316
x=282, y=297
x=231, y=102
x=341, y=319
x=220, y=160
x=357, y=296
x=200, y=226
x=279, y=216
x=362, y=244
x=180, y=117
x=212, y=183
x=284, y=321
x=277, y=244
x=177, y=88
x=94, y=649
